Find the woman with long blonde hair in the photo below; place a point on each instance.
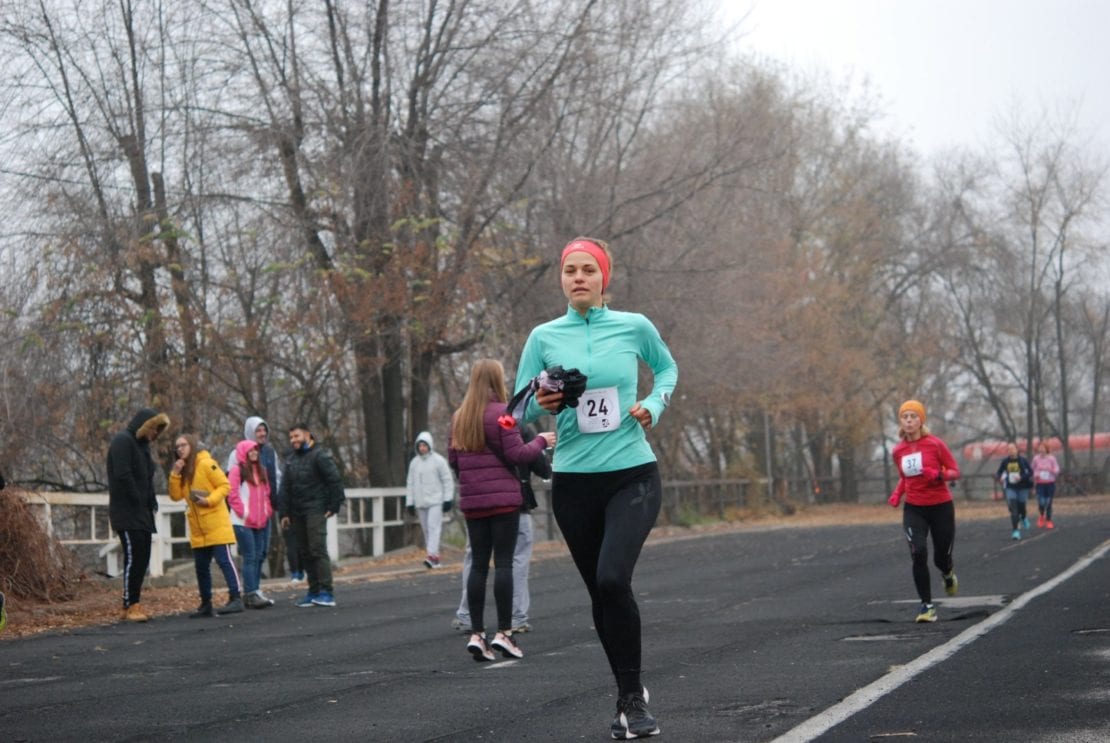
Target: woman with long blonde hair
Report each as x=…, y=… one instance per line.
x=481, y=452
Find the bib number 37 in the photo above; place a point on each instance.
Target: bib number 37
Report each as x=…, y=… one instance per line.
x=599, y=411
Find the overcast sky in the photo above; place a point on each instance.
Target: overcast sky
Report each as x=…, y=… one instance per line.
x=946, y=69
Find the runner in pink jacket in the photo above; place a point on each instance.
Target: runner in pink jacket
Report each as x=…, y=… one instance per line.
x=1045, y=471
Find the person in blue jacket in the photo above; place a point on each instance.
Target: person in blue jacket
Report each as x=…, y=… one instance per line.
x=606, y=488
x=1016, y=477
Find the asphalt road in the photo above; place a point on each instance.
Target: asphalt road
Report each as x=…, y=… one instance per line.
x=788, y=634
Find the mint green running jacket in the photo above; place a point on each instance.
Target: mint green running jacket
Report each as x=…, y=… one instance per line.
x=606, y=345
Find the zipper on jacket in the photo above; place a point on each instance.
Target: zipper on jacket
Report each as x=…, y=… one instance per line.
x=589, y=346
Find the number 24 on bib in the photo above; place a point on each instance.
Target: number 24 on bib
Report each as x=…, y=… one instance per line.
x=599, y=411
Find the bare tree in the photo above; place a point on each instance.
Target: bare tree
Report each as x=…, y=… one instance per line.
x=1050, y=194
x=116, y=235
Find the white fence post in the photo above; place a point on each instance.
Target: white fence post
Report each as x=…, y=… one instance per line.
x=377, y=516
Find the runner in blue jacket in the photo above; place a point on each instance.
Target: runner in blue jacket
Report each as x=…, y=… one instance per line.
x=606, y=489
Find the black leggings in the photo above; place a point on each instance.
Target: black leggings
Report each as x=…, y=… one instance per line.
x=918, y=522
x=496, y=535
x=136, y=559
x=605, y=518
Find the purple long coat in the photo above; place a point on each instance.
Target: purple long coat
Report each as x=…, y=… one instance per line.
x=484, y=482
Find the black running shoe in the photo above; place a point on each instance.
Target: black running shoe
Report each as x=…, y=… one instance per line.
x=633, y=718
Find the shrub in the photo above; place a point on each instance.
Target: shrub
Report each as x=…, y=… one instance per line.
x=33, y=564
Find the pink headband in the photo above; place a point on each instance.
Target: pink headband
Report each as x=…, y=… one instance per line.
x=585, y=246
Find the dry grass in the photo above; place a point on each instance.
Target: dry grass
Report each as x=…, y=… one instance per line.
x=33, y=565
x=97, y=600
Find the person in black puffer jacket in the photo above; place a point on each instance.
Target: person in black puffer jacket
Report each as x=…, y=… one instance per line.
x=311, y=493
x=131, y=501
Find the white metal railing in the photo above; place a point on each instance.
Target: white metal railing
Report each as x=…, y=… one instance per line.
x=353, y=516
x=365, y=508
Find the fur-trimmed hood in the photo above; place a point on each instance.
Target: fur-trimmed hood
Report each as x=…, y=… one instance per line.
x=146, y=422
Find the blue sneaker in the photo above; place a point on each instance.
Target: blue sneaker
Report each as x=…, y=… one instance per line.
x=1025, y=523
x=323, y=599
x=308, y=600
x=1016, y=534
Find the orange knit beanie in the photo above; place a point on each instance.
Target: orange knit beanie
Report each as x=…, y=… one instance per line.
x=915, y=406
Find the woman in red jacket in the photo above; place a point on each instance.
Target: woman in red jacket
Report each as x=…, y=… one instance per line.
x=481, y=452
x=925, y=467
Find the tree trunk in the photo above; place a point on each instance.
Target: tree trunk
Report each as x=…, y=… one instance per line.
x=420, y=393
x=373, y=422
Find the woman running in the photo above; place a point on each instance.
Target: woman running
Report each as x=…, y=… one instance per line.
x=1016, y=477
x=606, y=489
x=1045, y=470
x=925, y=467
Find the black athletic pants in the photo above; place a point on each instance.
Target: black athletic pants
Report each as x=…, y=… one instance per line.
x=605, y=518
x=918, y=522
x=494, y=535
x=136, y=559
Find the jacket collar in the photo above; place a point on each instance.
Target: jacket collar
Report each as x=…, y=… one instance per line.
x=593, y=314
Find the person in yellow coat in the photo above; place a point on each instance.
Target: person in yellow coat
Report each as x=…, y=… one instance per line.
x=199, y=481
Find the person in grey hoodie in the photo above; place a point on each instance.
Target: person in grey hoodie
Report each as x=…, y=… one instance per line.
x=429, y=490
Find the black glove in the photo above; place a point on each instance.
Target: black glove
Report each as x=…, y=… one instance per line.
x=571, y=382
x=448, y=505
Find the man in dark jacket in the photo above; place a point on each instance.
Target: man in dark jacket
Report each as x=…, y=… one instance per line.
x=131, y=501
x=311, y=493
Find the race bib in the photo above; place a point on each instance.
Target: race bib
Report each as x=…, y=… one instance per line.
x=1015, y=477
x=1046, y=475
x=599, y=411
x=911, y=464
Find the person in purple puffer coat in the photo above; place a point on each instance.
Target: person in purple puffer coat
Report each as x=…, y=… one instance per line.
x=481, y=451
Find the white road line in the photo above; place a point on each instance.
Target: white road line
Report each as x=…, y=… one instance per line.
x=41, y=680
x=954, y=602
x=874, y=691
